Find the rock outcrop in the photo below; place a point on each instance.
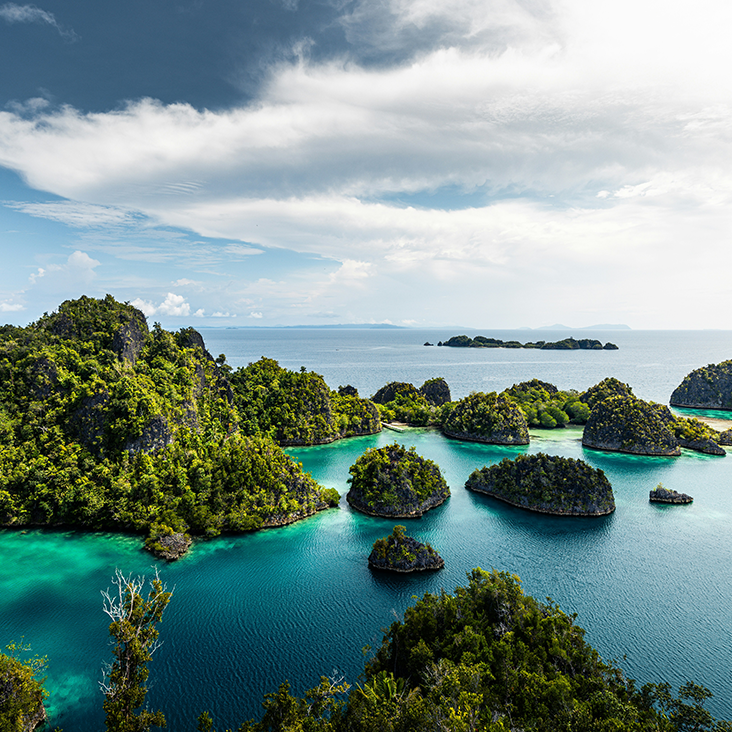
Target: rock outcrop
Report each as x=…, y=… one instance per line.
x=546, y=484
x=170, y=546
x=436, y=391
x=606, y=388
x=394, y=482
x=630, y=425
x=709, y=387
x=664, y=495
x=725, y=438
x=393, y=389
x=490, y=418
x=404, y=554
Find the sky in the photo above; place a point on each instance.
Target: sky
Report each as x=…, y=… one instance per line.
x=483, y=163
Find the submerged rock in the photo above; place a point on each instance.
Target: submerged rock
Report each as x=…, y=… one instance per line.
x=665, y=495
x=402, y=553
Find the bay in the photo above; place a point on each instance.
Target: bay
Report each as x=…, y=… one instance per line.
x=650, y=583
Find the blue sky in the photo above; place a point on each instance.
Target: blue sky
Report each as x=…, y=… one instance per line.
x=488, y=163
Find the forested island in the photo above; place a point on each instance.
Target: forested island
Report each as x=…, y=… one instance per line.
x=395, y=482
x=566, y=344
x=709, y=387
x=546, y=484
x=403, y=554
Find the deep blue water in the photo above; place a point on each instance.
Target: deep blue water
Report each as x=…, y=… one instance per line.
x=651, y=583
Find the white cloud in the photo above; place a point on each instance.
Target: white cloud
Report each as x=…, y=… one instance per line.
x=199, y=313
x=13, y=13
x=7, y=307
x=595, y=137
x=219, y=314
x=256, y=315
x=145, y=305
x=174, y=305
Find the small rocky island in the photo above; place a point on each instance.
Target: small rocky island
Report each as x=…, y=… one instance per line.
x=566, y=344
x=709, y=387
x=546, y=484
x=164, y=543
x=665, y=495
x=394, y=482
x=402, y=553
x=492, y=418
x=626, y=424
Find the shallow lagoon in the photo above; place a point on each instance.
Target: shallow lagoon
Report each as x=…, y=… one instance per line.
x=649, y=582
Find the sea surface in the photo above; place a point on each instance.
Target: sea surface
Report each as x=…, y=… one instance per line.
x=651, y=584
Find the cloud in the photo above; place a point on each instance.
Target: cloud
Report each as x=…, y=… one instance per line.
x=510, y=145
x=257, y=316
x=6, y=307
x=13, y=13
x=173, y=305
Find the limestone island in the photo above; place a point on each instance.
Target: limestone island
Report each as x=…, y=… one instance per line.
x=566, y=344
x=400, y=401
x=394, y=482
x=623, y=423
x=709, y=387
x=402, y=553
x=108, y=425
x=546, y=484
x=665, y=495
x=491, y=418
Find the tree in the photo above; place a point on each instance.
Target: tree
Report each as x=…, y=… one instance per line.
x=133, y=628
x=21, y=691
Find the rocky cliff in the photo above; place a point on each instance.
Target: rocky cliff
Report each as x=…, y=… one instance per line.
x=490, y=418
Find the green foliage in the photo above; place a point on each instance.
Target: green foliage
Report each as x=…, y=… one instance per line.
x=631, y=425
x=297, y=407
x=134, y=631
x=21, y=689
x=394, y=481
x=104, y=425
x=545, y=406
x=546, y=483
x=605, y=389
x=403, y=553
x=709, y=387
x=487, y=418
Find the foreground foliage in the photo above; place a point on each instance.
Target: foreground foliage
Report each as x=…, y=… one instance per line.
x=21, y=689
x=491, y=658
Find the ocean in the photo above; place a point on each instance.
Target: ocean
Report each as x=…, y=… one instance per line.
x=650, y=584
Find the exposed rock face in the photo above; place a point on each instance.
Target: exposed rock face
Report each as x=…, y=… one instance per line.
x=155, y=435
x=546, y=484
x=402, y=553
x=664, y=495
x=45, y=378
x=725, y=438
x=88, y=423
x=436, y=391
x=627, y=424
x=708, y=446
x=395, y=482
x=348, y=390
x=709, y=387
x=490, y=418
x=389, y=392
x=170, y=547
x=129, y=340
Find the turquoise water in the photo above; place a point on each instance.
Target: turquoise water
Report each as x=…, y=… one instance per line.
x=651, y=583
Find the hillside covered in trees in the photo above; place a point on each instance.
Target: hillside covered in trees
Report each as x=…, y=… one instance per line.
x=106, y=424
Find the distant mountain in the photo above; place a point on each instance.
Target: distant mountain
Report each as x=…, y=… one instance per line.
x=338, y=326
x=600, y=326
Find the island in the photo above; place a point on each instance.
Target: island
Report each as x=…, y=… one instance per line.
x=665, y=495
x=400, y=401
x=547, y=407
x=624, y=423
x=490, y=418
x=709, y=387
x=394, y=482
x=546, y=484
x=630, y=425
x=566, y=344
x=401, y=553
x=108, y=425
